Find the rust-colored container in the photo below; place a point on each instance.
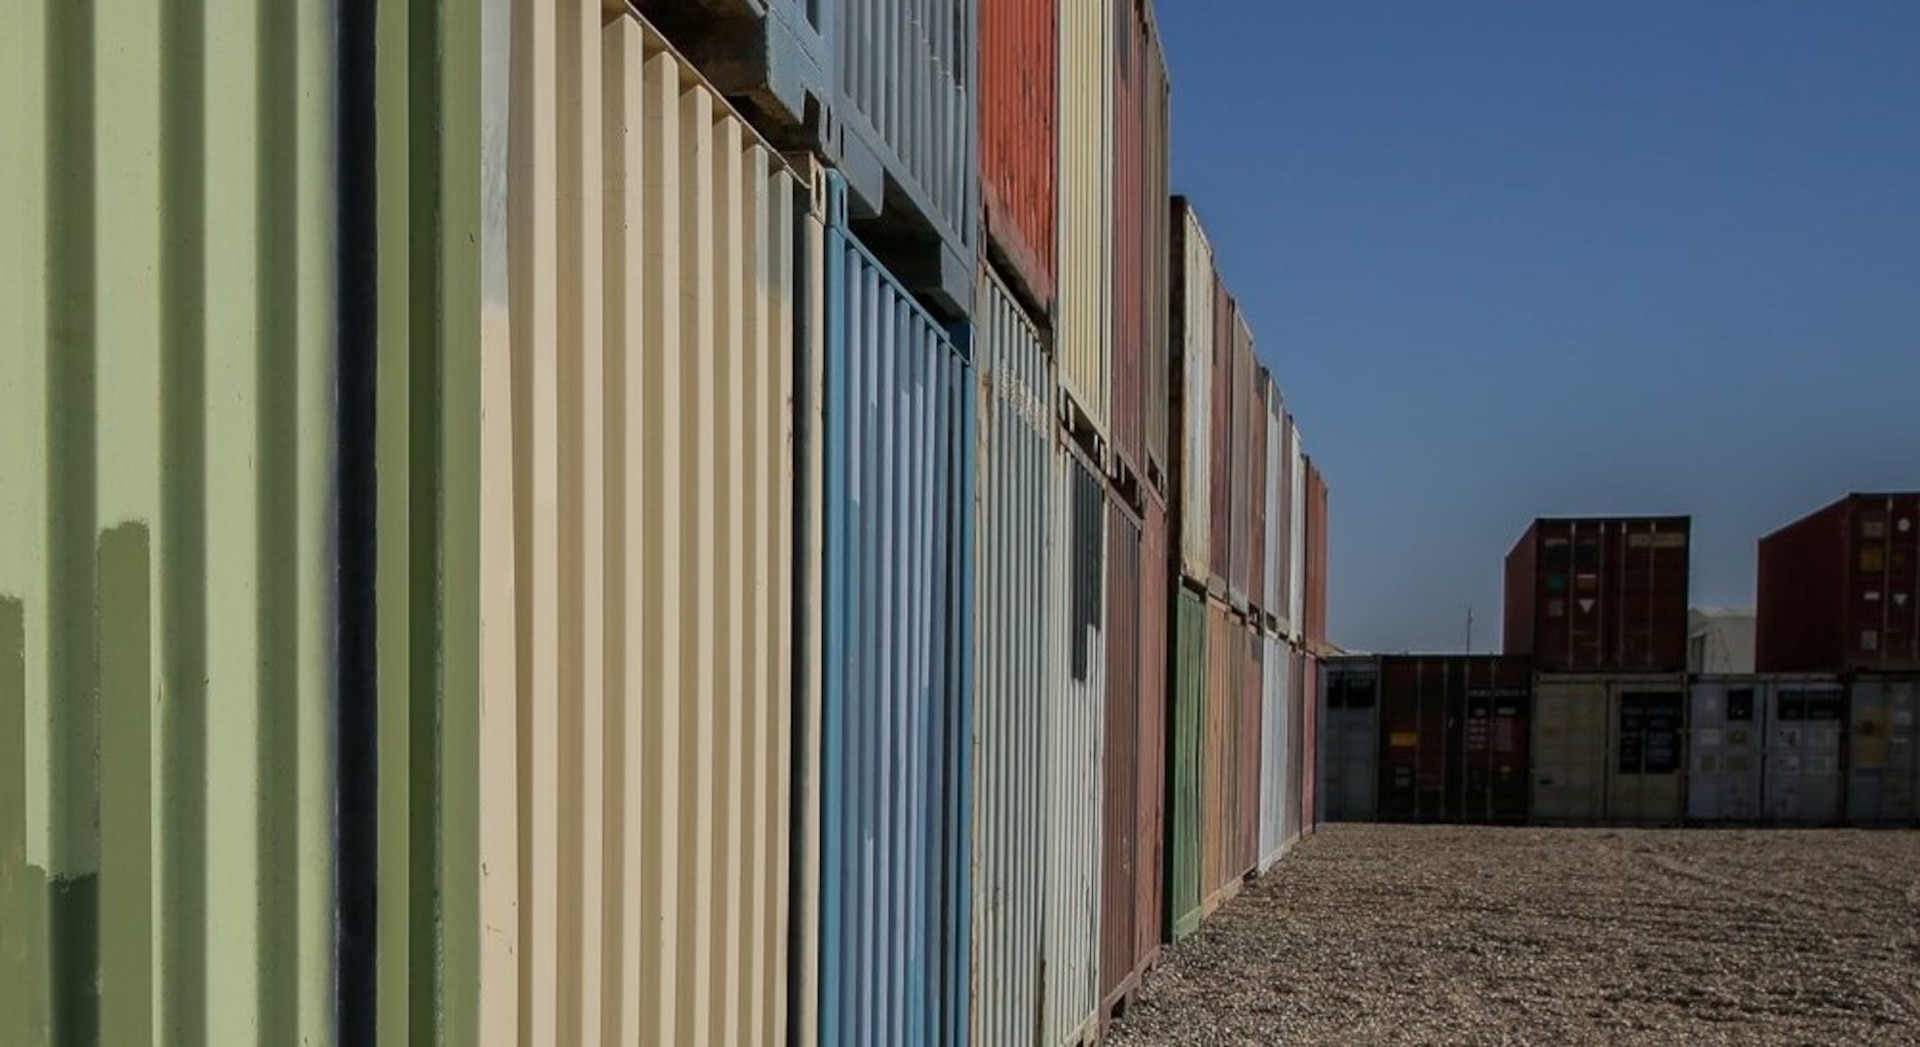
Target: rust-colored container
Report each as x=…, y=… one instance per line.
x=1020, y=141
x=1257, y=501
x=1220, y=477
x=1840, y=589
x=1315, y=626
x=1140, y=246
x=1454, y=735
x=1220, y=830
x=1119, y=850
x=1240, y=449
x=1605, y=595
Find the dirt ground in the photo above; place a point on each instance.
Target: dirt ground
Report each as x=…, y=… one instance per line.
x=1430, y=935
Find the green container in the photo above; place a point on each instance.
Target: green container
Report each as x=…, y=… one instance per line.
x=1188, y=717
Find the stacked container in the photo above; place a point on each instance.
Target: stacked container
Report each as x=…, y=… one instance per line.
x=1839, y=590
x=1019, y=144
x=1350, y=741
x=1191, y=339
x=1600, y=595
x=1609, y=749
x=1767, y=749
x=1084, y=341
x=1454, y=736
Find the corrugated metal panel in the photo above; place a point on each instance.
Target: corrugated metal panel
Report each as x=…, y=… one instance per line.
x=1225, y=375
x=1884, y=752
x=1123, y=756
x=1806, y=727
x=1076, y=718
x=1241, y=435
x=1192, y=295
x=1725, y=739
x=1247, y=741
x=1154, y=639
x=1454, y=730
x=1349, y=741
x=1188, y=777
x=1020, y=140
x=1140, y=244
x=1084, y=340
x=896, y=674
x=1275, y=556
x=1257, y=497
x=908, y=119
x=169, y=441
x=638, y=528
x=1296, y=814
x=1276, y=728
x=1600, y=595
x=1315, y=579
x=1231, y=797
x=1297, y=529
x=1310, y=745
x=1840, y=589
x=1609, y=749
x=1016, y=479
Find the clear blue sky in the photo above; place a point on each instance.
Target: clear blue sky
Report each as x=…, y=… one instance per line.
x=1520, y=259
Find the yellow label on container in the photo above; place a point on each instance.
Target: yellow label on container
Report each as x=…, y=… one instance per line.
x=1405, y=739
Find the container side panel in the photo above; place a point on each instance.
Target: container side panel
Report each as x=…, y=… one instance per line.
x=1019, y=140
x=1084, y=338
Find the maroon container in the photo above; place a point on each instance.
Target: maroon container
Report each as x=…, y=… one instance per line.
x=1454, y=738
x=1840, y=589
x=1120, y=848
x=1314, y=629
x=1220, y=478
x=1140, y=248
x=1288, y=493
x=1019, y=142
x=1257, y=498
x=1600, y=595
x=1156, y=572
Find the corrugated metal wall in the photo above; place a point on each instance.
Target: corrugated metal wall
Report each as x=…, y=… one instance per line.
x=1296, y=816
x=1138, y=313
x=1724, y=750
x=1349, y=742
x=1020, y=140
x=1297, y=542
x=1076, y=721
x=1155, y=641
x=1010, y=841
x=1884, y=752
x=1083, y=345
x=908, y=119
x=168, y=596
x=1221, y=473
x=1124, y=754
x=1241, y=436
x=1230, y=801
x=1247, y=740
x=1157, y=181
x=1191, y=337
x=894, y=699
x=1276, y=741
x=1188, y=779
x=1310, y=748
x=640, y=535
x=1257, y=498
x=1278, y=558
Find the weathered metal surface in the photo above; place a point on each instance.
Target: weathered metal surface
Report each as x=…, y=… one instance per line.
x=1187, y=779
x=1015, y=588
x=1140, y=245
x=1453, y=740
x=1020, y=141
x=1155, y=639
x=1276, y=731
x=895, y=692
x=1804, y=782
x=1191, y=338
x=1600, y=595
x=1609, y=749
x=1883, y=752
x=1076, y=720
x=1725, y=750
x=1123, y=756
x=1349, y=740
x=1839, y=590
x=1084, y=343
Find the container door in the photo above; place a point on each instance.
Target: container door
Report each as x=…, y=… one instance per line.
x=1885, y=771
x=1570, y=753
x=1645, y=757
x=1724, y=784
x=1803, y=755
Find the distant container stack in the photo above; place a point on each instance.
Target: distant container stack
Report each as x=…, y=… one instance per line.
x=1600, y=595
x=1839, y=591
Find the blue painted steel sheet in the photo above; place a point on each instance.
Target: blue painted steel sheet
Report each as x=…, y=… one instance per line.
x=897, y=675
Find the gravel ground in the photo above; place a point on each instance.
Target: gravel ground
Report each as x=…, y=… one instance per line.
x=1439, y=935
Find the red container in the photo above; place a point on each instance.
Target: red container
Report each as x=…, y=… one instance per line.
x=1315, y=611
x=1240, y=442
x=1600, y=595
x=1156, y=572
x=1220, y=479
x=1840, y=589
x=1019, y=142
x=1142, y=242
x=1454, y=738
x=1257, y=497
x=1120, y=847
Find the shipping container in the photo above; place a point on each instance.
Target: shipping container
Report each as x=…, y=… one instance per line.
x=1020, y=142
x=637, y=533
x=1609, y=749
x=1191, y=337
x=1220, y=476
x=1257, y=500
x=1276, y=738
x=1127, y=775
x=885, y=95
x=1726, y=740
x=1084, y=343
x=1806, y=729
x=1151, y=816
x=1138, y=314
x=1297, y=816
x=1314, y=580
x=1349, y=741
x=1883, y=751
x=1229, y=833
x=1013, y=665
x=1188, y=776
x=1297, y=531
x=1253, y=685
x=1076, y=735
x=1276, y=558
x=1310, y=745
x=1839, y=590
x=214, y=290
x=893, y=702
x=1600, y=595
x=1453, y=739
x=1242, y=435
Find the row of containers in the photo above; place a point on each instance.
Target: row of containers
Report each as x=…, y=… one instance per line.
x=533, y=524
x=1486, y=740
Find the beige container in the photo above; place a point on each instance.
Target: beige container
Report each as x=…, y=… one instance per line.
x=1084, y=338
x=636, y=554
